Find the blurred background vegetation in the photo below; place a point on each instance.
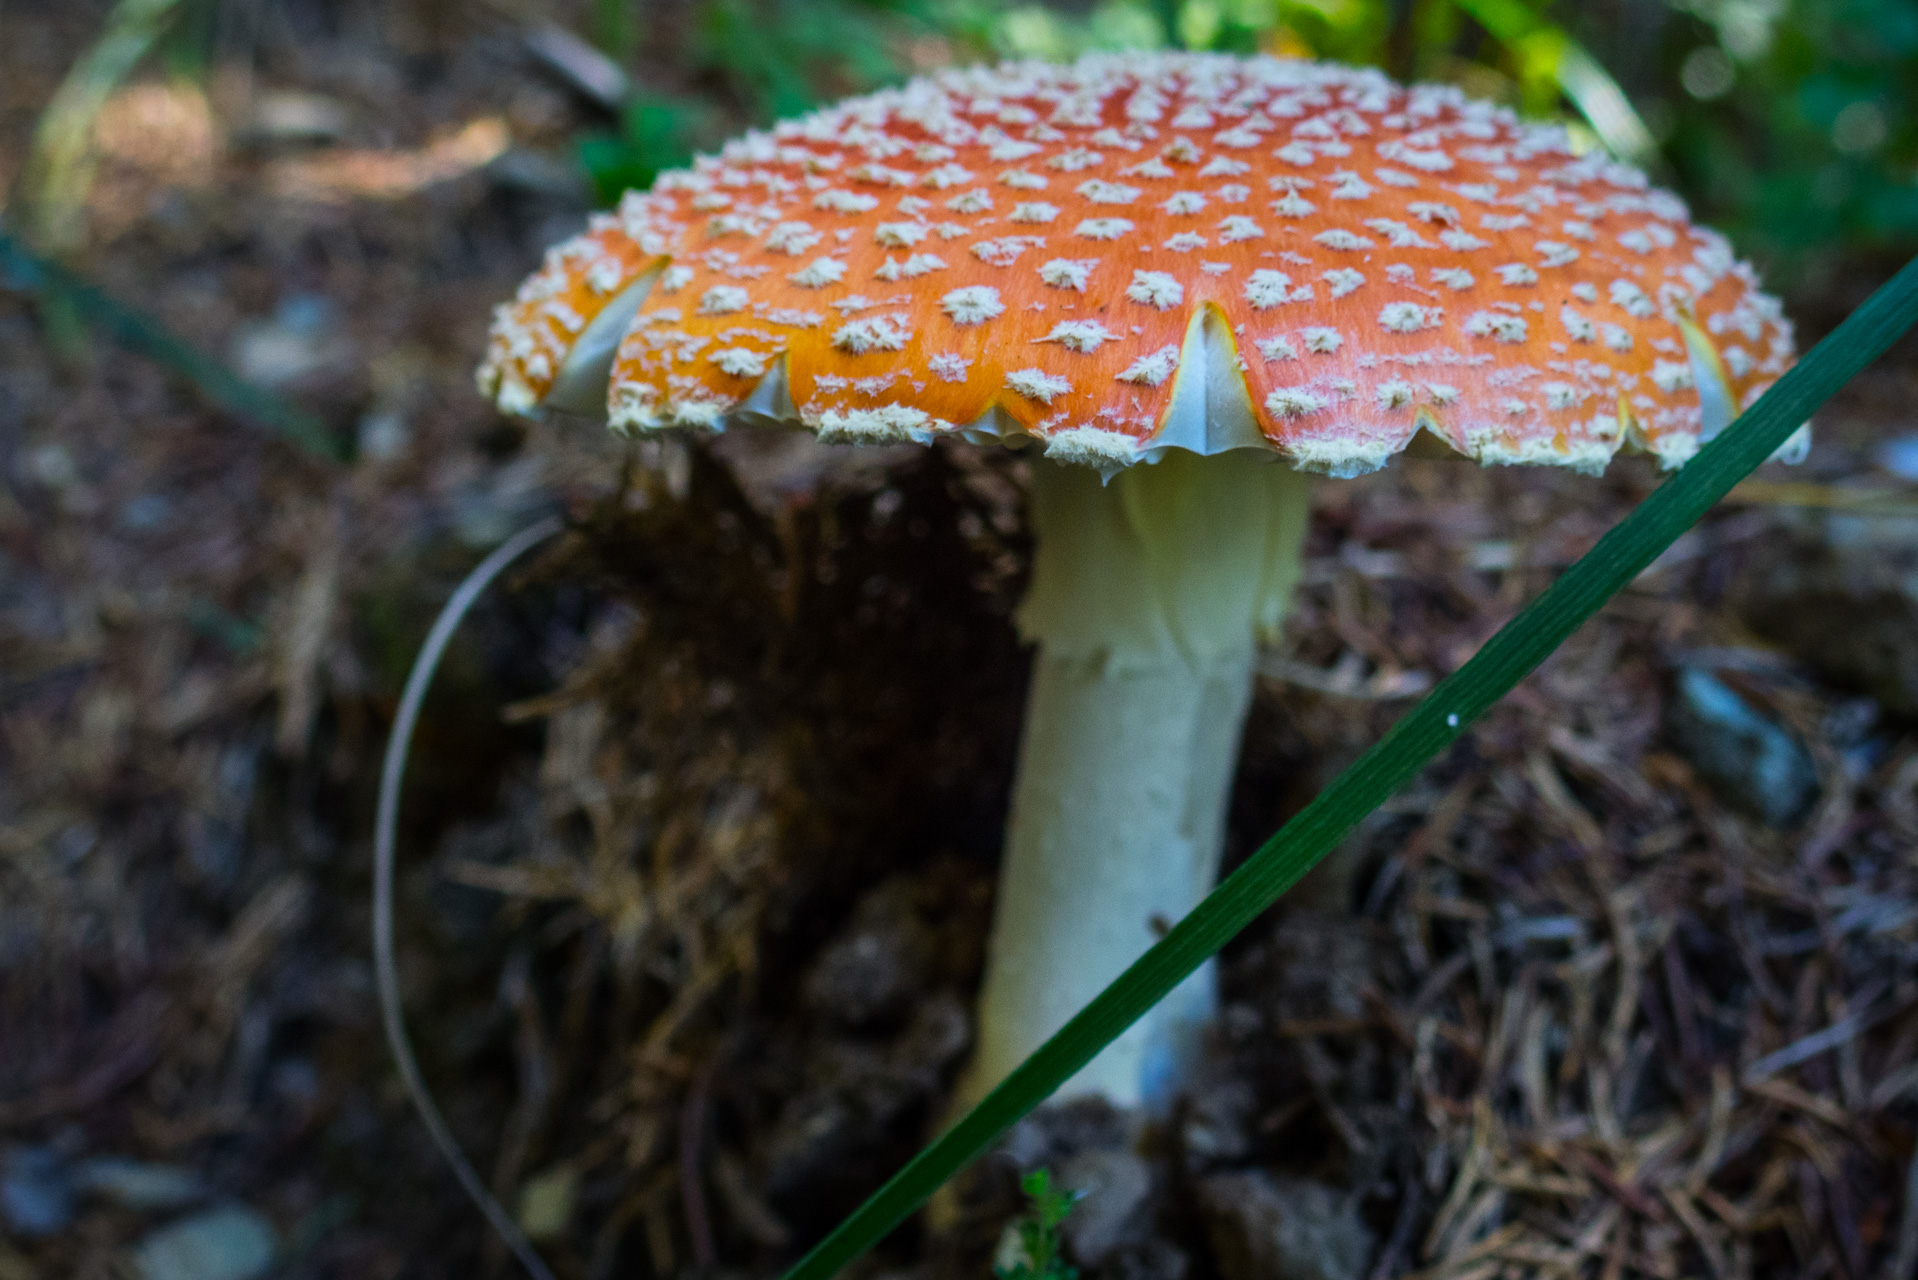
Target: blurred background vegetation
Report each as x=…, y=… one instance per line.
x=1790, y=124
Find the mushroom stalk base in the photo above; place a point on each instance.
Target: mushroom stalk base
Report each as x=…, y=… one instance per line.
x=1149, y=597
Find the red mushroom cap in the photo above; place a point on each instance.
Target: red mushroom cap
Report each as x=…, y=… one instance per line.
x=1146, y=251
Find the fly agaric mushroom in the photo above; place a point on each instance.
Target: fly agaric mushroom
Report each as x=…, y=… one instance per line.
x=1184, y=282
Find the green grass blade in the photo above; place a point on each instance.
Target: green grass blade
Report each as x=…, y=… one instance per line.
x=30, y=273
x=1603, y=104
x=1428, y=728
x=60, y=168
x=1579, y=75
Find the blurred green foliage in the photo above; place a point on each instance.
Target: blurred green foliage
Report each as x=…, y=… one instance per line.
x=1792, y=124
x=653, y=135
x=765, y=59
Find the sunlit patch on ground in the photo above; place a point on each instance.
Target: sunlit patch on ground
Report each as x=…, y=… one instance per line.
x=365, y=174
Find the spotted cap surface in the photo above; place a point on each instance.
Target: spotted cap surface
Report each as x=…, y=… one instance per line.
x=1149, y=251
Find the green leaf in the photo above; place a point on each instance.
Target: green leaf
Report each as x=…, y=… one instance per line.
x=27, y=272
x=60, y=168
x=1039, y=1232
x=1545, y=50
x=1427, y=729
x=653, y=136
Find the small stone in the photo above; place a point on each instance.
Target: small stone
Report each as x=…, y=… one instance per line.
x=140, y=1185
x=1217, y=1120
x=1267, y=1228
x=384, y=435
x=304, y=336
x=145, y=512
x=1113, y=1188
x=1899, y=456
x=53, y=466
x=231, y=1242
x=1754, y=762
x=36, y=1191
x=283, y=118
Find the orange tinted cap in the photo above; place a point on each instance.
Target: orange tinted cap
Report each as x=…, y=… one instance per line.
x=1170, y=250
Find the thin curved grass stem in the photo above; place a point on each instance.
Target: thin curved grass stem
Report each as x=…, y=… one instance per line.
x=385, y=827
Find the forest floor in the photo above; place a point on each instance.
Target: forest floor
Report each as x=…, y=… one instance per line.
x=704, y=812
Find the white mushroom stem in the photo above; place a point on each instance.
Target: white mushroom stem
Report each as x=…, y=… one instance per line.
x=1149, y=597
